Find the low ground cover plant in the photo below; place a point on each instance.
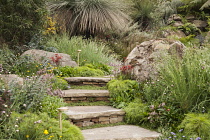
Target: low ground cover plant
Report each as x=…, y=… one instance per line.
x=122, y=92
x=38, y=126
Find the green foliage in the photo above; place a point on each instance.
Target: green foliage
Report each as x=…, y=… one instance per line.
x=83, y=71
x=33, y=126
x=59, y=83
x=90, y=17
x=196, y=125
x=91, y=52
x=26, y=66
x=183, y=83
x=7, y=59
x=189, y=29
x=50, y=104
x=105, y=68
x=122, y=92
x=20, y=20
x=28, y=97
x=142, y=12
x=190, y=41
x=136, y=112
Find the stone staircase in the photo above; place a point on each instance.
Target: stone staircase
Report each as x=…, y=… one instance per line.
x=89, y=115
x=83, y=116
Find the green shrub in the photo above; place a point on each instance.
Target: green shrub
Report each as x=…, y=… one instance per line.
x=83, y=71
x=122, y=92
x=59, y=83
x=50, y=104
x=196, y=125
x=91, y=52
x=39, y=126
x=136, y=112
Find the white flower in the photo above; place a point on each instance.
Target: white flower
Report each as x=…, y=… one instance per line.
x=17, y=130
x=5, y=106
x=24, y=105
x=16, y=125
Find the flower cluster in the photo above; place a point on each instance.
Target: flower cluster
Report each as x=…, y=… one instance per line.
x=56, y=59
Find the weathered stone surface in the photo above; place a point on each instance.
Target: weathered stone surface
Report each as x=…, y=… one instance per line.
x=78, y=98
x=122, y=132
x=8, y=78
x=85, y=93
x=177, y=24
x=190, y=17
x=105, y=122
x=143, y=57
x=200, y=23
x=88, y=79
x=103, y=119
x=87, y=123
x=174, y=17
x=176, y=33
x=39, y=55
x=82, y=112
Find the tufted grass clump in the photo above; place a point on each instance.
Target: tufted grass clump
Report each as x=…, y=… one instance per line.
x=91, y=52
x=183, y=82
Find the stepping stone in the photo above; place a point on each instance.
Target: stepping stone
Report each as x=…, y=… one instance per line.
x=90, y=115
x=87, y=81
x=122, y=132
x=75, y=95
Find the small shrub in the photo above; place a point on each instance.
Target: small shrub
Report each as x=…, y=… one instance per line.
x=26, y=66
x=122, y=92
x=59, y=83
x=30, y=95
x=196, y=125
x=39, y=126
x=50, y=104
x=83, y=71
x=136, y=112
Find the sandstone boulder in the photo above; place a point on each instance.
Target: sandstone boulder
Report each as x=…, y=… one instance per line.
x=144, y=56
x=8, y=78
x=60, y=59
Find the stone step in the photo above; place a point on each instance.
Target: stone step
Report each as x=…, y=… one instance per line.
x=87, y=81
x=121, y=132
x=90, y=115
x=76, y=95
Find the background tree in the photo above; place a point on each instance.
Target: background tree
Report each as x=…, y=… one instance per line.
x=20, y=20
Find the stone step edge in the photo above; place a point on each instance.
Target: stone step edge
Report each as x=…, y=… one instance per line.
x=95, y=114
x=87, y=79
x=85, y=93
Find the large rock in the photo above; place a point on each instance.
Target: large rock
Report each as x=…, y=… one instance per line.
x=11, y=78
x=143, y=57
x=40, y=55
x=200, y=24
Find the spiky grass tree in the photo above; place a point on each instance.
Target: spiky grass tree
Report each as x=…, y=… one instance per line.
x=89, y=17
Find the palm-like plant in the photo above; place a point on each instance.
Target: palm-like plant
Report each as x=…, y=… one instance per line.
x=89, y=17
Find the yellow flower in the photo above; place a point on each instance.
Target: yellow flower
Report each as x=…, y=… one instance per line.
x=46, y=132
x=27, y=136
x=28, y=71
x=60, y=136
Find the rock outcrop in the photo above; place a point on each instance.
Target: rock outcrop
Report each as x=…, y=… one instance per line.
x=60, y=59
x=144, y=56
